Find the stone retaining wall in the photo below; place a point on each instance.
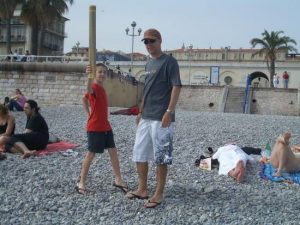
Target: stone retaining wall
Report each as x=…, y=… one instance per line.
x=276, y=101
x=201, y=98
x=64, y=84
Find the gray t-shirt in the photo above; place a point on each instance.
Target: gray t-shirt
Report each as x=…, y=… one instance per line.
x=161, y=75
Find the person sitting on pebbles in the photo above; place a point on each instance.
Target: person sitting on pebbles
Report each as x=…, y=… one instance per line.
x=283, y=158
x=7, y=127
x=36, y=133
x=16, y=102
x=232, y=161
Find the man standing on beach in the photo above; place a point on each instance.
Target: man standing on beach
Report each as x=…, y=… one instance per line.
x=285, y=77
x=156, y=119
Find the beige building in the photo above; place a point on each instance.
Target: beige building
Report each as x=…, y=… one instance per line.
x=227, y=66
x=21, y=36
x=222, y=54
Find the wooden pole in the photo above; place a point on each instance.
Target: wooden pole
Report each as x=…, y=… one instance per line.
x=92, y=41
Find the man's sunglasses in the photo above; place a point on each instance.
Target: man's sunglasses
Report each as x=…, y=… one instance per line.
x=149, y=41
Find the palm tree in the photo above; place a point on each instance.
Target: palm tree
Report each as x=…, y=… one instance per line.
x=6, y=13
x=39, y=14
x=270, y=44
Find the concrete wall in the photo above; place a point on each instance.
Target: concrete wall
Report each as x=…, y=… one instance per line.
x=267, y=101
x=62, y=84
x=275, y=101
x=200, y=98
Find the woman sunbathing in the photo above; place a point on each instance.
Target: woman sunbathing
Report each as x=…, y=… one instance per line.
x=282, y=157
x=232, y=161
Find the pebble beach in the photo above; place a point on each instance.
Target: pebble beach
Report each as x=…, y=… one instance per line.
x=41, y=189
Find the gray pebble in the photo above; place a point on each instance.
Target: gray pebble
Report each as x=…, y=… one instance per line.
x=40, y=190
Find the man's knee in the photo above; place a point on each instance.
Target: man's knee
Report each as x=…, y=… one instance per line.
x=162, y=168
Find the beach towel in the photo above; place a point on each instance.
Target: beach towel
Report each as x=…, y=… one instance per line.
x=267, y=171
x=56, y=147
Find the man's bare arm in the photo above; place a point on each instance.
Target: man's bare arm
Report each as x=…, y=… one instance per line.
x=166, y=120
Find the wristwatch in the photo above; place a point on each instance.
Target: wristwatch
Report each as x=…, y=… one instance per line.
x=169, y=111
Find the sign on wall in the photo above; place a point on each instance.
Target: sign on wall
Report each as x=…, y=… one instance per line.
x=199, y=78
x=214, y=75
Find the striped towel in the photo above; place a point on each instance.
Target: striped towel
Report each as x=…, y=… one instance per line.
x=267, y=171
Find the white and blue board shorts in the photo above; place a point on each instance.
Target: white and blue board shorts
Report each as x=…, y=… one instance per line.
x=153, y=142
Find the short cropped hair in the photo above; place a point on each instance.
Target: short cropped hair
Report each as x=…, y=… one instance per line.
x=101, y=65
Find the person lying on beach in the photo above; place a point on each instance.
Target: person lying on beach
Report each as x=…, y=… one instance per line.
x=232, y=161
x=283, y=158
x=134, y=110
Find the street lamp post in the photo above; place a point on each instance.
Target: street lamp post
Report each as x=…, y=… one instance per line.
x=77, y=47
x=190, y=55
x=133, y=25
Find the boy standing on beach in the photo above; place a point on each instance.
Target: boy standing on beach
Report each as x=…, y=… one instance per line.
x=99, y=131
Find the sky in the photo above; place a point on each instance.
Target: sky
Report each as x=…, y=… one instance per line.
x=201, y=23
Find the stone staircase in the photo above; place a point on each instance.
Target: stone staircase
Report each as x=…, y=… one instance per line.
x=235, y=100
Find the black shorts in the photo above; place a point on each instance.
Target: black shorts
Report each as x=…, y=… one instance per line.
x=98, y=141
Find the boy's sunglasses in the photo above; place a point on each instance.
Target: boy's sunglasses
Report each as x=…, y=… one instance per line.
x=149, y=41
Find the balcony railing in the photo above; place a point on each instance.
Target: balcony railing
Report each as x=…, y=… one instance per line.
x=13, y=38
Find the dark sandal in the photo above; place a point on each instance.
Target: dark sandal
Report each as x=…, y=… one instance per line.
x=154, y=204
x=2, y=156
x=125, y=189
x=134, y=196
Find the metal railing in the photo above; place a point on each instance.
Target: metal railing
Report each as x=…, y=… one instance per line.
x=247, y=99
x=41, y=59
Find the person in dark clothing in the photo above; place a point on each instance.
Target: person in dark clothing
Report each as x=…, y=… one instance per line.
x=36, y=133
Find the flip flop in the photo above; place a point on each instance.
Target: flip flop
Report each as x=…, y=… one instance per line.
x=2, y=156
x=154, y=204
x=81, y=191
x=134, y=196
x=123, y=188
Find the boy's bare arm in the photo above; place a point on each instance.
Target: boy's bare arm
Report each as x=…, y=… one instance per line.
x=89, y=86
x=90, y=80
x=85, y=104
